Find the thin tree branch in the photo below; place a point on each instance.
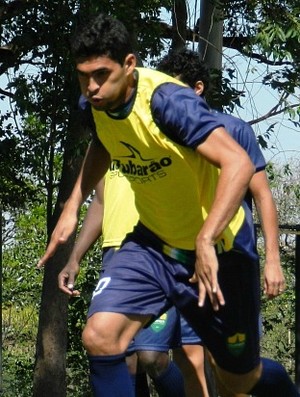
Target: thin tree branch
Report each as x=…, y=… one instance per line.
x=6, y=93
x=273, y=113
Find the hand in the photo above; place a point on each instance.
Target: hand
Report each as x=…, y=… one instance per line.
x=65, y=226
x=67, y=277
x=274, y=281
x=206, y=274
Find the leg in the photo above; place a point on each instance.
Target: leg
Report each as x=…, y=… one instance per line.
x=165, y=374
x=153, y=345
x=141, y=385
x=232, y=335
x=106, y=337
x=138, y=376
x=153, y=362
x=128, y=285
x=190, y=359
x=221, y=389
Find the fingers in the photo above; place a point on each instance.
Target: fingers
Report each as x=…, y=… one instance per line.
x=202, y=293
x=274, y=283
x=274, y=289
x=214, y=292
x=50, y=251
x=274, y=280
x=66, y=225
x=210, y=288
x=66, y=283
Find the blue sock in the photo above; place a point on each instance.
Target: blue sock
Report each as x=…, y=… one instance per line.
x=133, y=380
x=110, y=376
x=274, y=381
x=170, y=382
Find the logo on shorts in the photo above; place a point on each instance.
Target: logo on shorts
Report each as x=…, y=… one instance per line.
x=236, y=343
x=160, y=323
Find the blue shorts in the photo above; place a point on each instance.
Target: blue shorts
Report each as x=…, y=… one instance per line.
x=162, y=335
x=140, y=280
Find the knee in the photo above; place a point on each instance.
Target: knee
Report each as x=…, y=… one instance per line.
x=97, y=341
x=153, y=362
x=92, y=340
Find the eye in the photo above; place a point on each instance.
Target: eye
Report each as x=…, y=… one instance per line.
x=100, y=74
x=82, y=76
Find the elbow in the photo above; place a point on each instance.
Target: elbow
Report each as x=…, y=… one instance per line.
x=248, y=167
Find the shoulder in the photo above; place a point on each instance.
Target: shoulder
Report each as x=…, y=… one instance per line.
x=232, y=120
x=237, y=127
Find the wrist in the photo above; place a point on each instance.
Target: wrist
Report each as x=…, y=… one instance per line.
x=204, y=240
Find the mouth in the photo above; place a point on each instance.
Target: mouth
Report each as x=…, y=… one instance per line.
x=95, y=99
x=97, y=102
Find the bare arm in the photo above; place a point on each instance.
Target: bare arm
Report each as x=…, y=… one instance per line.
x=274, y=282
x=93, y=169
x=236, y=170
x=90, y=231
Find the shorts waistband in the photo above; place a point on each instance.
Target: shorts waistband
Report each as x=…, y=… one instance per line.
x=144, y=236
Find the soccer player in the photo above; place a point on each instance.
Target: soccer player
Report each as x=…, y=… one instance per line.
x=176, y=156
x=187, y=67
x=113, y=221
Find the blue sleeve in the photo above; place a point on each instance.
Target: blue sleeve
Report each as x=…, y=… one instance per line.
x=182, y=115
x=243, y=133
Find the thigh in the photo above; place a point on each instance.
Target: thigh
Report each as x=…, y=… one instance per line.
x=108, y=333
x=161, y=335
x=132, y=283
x=188, y=335
x=231, y=333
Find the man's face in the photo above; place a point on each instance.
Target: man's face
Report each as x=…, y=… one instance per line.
x=104, y=82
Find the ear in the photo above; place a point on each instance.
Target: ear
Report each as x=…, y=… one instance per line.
x=199, y=87
x=130, y=63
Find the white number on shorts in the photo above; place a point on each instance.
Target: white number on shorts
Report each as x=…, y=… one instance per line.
x=103, y=283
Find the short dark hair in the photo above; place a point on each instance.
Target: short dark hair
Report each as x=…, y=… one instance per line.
x=187, y=65
x=101, y=35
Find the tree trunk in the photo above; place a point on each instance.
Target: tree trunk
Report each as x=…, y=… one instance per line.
x=50, y=365
x=179, y=22
x=210, y=28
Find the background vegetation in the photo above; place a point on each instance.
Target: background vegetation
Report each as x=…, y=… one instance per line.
x=41, y=149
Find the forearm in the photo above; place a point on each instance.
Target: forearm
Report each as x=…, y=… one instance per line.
x=93, y=169
x=230, y=191
x=236, y=171
x=267, y=213
x=89, y=232
x=231, y=187
x=92, y=224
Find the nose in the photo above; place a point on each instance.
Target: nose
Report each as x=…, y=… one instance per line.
x=92, y=87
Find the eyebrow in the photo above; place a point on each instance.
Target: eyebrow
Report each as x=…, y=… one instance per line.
x=100, y=70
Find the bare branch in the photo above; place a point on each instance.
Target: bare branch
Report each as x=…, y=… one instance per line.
x=273, y=112
x=6, y=93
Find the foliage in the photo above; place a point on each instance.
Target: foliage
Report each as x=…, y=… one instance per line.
x=42, y=91
x=221, y=94
x=285, y=184
x=20, y=255
x=19, y=333
x=77, y=374
x=278, y=315
x=278, y=340
x=21, y=295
